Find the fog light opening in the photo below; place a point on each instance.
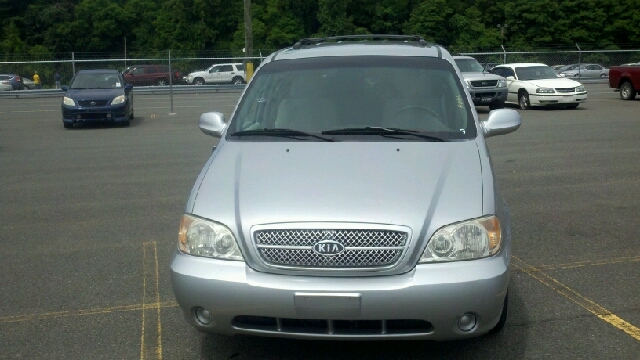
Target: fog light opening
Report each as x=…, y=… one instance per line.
x=203, y=316
x=467, y=322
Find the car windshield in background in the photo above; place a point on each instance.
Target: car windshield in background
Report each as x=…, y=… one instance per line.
x=340, y=95
x=96, y=81
x=536, y=73
x=469, y=65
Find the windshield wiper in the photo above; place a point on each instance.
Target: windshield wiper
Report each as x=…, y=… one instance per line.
x=383, y=131
x=288, y=133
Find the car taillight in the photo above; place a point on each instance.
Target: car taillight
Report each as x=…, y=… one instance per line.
x=17, y=78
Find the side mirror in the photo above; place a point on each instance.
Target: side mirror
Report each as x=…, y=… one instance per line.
x=212, y=123
x=511, y=78
x=501, y=122
x=64, y=88
x=128, y=86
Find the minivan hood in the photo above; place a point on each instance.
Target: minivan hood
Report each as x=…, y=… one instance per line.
x=398, y=183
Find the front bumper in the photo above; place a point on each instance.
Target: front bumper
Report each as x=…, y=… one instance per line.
x=110, y=113
x=424, y=303
x=488, y=96
x=557, y=99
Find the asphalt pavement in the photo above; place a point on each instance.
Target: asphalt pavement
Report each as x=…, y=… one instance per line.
x=89, y=220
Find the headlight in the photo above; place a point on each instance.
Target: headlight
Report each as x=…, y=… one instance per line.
x=118, y=100
x=502, y=83
x=207, y=238
x=545, y=90
x=471, y=239
x=580, y=88
x=68, y=101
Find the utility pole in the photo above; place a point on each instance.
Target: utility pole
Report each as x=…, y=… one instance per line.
x=248, y=39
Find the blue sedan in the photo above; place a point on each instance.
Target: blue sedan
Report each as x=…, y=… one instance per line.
x=97, y=96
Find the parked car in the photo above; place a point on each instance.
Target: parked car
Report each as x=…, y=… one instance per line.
x=97, y=96
x=565, y=68
x=292, y=231
x=146, y=75
x=14, y=80
x=28, y=83
x=232, y=73
x=5, y=84
x=484, y=87
x=625, y=79
x=535, y=84
x=586, y=71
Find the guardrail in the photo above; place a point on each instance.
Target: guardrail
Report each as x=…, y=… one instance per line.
x=149, y=90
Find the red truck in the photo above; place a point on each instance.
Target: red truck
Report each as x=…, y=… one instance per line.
x=626, y=79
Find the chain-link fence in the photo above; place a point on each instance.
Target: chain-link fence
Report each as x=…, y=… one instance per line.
x=606, y=58
x=66, y=68
x=185, y=62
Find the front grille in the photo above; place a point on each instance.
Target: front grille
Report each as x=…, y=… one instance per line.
x=362, y=247
x=484, y=83
x=93, y=102
x=565, y=90
x=333, y=327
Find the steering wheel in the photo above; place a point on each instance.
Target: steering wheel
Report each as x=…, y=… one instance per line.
x=419, y=111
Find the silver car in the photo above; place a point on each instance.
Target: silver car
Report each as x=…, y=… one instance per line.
x=351, y=196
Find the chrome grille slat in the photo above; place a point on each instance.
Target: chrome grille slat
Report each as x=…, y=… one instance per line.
x=565, y=90
x=364, y=248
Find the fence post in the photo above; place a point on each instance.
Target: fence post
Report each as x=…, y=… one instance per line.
x=170, y=83
x=505, y=54
x=579, y=59
x=73, y=63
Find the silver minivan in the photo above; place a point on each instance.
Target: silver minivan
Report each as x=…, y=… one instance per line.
x=350, y=196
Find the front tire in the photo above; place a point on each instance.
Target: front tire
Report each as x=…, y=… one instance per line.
x=237, y=81
x=523, y=100
x=198, y=81
x=627, y=92
x=161, y=82
x=67, y=125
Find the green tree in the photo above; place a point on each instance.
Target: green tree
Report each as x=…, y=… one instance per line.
x=430, y=19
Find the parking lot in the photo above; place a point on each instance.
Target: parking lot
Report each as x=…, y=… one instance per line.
x=89, y=222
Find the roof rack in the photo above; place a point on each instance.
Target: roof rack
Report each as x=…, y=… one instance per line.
x=315, y=41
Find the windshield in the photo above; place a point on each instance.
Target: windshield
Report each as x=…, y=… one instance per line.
x=469, y=65
x=319, y=95
x=536, y=73
x=96, y=81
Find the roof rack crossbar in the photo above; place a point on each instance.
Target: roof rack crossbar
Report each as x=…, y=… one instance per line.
x=314, y=41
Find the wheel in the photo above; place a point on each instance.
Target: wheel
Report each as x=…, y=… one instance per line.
x=161, y=82
x=198, y=81
x=494, y=106
x=603, y=75
x=67, y=125
x=627, y=92
x=572, y=106
x=237, y=80
x=503, y=316
x=523, y=100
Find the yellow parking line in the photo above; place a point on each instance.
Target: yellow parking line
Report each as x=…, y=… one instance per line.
x=151, y=293
x=96, y=311
x=577, y=264
x=585, y=303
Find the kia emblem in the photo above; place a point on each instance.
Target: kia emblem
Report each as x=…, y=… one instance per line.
x=328, y=248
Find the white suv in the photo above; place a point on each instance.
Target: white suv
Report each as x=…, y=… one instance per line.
x=232, y=73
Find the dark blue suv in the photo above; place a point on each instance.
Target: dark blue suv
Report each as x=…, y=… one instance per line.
x=97, y=96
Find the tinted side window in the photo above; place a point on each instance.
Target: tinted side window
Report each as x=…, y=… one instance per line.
x=137, y=71
x=240, y=67
x=151, y=70
x=226, y=68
